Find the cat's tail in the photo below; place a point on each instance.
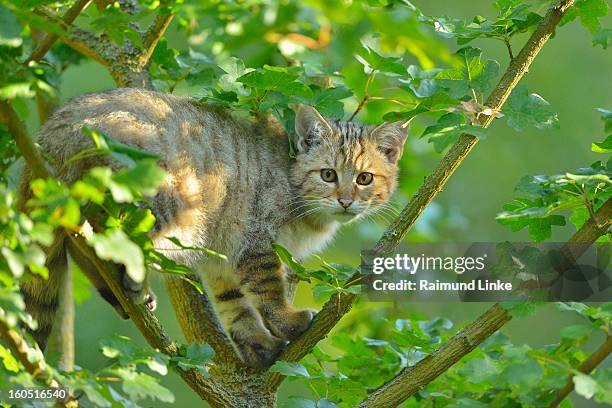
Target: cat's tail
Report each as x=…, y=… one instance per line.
x=42, y=296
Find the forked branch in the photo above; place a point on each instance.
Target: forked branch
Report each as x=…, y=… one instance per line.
x=50, y=38
x=126, y=64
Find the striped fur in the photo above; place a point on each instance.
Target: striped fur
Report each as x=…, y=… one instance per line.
x=231, y=187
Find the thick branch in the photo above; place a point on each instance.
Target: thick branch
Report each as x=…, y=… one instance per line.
x=589, y=365
x=27, y=148
x=50, y=38
x=99, y=49
x=200, y=324
x=61, y=338
x=432, y=185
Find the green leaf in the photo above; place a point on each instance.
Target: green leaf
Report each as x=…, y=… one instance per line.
x=328, y=100
x=114, y=245
x=477, y=370
x=195, y=356
x=590, y=11
x=289, y=260
x=125, y=154
x=603, y=38
x=140, y=386
x=519, y=310
x=143, y=178
x=279, y=79
x=207, y=251
x=603, y=392
x=448, y=129
x=576, y=332
x=524, y=109
x=8, y=361
x=123, y=350
x=469, y=73
x=372, y=61
x=606, y=116
x=290, y=369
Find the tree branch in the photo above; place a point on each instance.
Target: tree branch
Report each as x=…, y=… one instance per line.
x=61, y=338
x=152, y=36
x=200, y=324
x=33, y=363
x=50, y=38
x=586, y=367
x=99, y=49
x=413, y=379
x=17, y=129
x=432, y=185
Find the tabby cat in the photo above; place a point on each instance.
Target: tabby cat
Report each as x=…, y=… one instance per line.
x=231, y=186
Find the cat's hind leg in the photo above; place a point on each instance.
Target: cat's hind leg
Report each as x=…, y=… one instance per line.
x=252, y=340
x=263, y=281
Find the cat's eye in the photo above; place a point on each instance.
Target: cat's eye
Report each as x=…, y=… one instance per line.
x=329, y=175
x=365, y=178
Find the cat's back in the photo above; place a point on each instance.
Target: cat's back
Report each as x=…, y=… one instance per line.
x=160, y=123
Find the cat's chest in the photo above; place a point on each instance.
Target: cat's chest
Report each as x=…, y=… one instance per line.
x=301, y=240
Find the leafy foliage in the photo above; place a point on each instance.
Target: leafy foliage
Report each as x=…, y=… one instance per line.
x=545, y=200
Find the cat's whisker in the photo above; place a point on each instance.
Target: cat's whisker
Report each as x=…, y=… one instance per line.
x=307, y=213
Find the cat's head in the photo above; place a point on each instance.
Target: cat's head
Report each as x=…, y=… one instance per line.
x=344, y=170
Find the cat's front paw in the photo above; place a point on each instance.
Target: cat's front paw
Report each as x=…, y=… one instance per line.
x=289, y=323
x=258, y=350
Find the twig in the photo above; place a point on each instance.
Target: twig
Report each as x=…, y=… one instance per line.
x=366, y=96
x=152, y=36
x=431, y=186
x=509, y=47
x=586, y=367
x=50, y=38
x=23, y=141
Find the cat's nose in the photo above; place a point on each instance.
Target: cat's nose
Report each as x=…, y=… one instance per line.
x=345, y=202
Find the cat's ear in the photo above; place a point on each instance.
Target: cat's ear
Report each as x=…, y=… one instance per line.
x=310, y=127
x=391, y=138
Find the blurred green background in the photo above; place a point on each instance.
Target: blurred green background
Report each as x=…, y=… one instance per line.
x=564, y=74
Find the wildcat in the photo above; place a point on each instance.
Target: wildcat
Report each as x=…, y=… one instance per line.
x=231, y=186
